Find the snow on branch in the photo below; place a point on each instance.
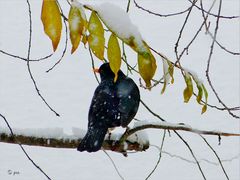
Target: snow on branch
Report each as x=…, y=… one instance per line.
x=142, y=125
x=133, y=139
x=56, y=137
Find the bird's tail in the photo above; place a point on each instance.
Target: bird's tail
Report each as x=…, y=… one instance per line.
x=93, y=140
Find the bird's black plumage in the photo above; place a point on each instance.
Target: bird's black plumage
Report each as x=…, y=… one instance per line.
x=113, y=104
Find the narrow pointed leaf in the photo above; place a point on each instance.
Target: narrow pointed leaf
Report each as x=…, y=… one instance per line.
x=171, y=71
x=147, y=67
x=114, y=55
x=96, y=38
x=200, y=94
x=77, y=24
x=204, y=109
x=166, y=75
x=188, y=91
x=51, y=19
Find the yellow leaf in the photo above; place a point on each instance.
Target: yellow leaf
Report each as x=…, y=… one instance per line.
x=95, y=26
x=188, y=91
x=171, y=70
x=204, y=108
x=114, y=55
x=147, y=67
x=77, y=24
x=51, y=19
x=84, y=39
x=96, y=44
x=96, y=38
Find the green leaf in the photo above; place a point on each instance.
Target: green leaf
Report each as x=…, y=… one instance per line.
x=114, y=55
x=200, y=94
x=188, y=91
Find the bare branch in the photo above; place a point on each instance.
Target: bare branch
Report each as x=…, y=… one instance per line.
x=215, y=153
x=11, y=135
x=28, y=62
x=160, y=156
x=174, y=127
x=181, y=31
x=114, y=165
x=208, y=32
x=209, y=61
x=161, y=15
x=215, y=15
x=191, y=151
x=25, y=59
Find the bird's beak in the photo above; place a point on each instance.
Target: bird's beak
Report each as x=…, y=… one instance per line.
x=96, y=70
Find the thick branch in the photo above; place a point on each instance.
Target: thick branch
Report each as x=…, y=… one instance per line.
x=61, y=140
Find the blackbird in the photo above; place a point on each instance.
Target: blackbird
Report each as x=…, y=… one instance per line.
x=113, y=104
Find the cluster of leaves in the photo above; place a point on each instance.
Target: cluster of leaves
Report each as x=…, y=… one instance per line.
x=188, y=91
x=91, y=32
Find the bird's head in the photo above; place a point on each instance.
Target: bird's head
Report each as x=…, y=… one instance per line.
x=106, y=72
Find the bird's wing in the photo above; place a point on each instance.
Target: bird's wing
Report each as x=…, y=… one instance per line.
x=129, y=96
x=103, y=111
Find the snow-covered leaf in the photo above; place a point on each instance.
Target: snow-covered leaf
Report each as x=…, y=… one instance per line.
x=96, y=38
x=117, y=21
x=167, y=74
x=51, y=19
x=114, y=55
x=77, y=24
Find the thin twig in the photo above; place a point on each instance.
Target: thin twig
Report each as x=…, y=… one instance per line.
x=160, y=156
x=153, y=113
x=219, y=160
x=114, y=165
x=160, y=15
x=93, y=66
x=181, y=31
x=28, y=62
x=211, y=35
x=128, y=6
x=200, y=160
x=25, y=59
x=191, y=151
x=209, y=61
x=215, y=15
x=26, y=154
x=196, y=34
